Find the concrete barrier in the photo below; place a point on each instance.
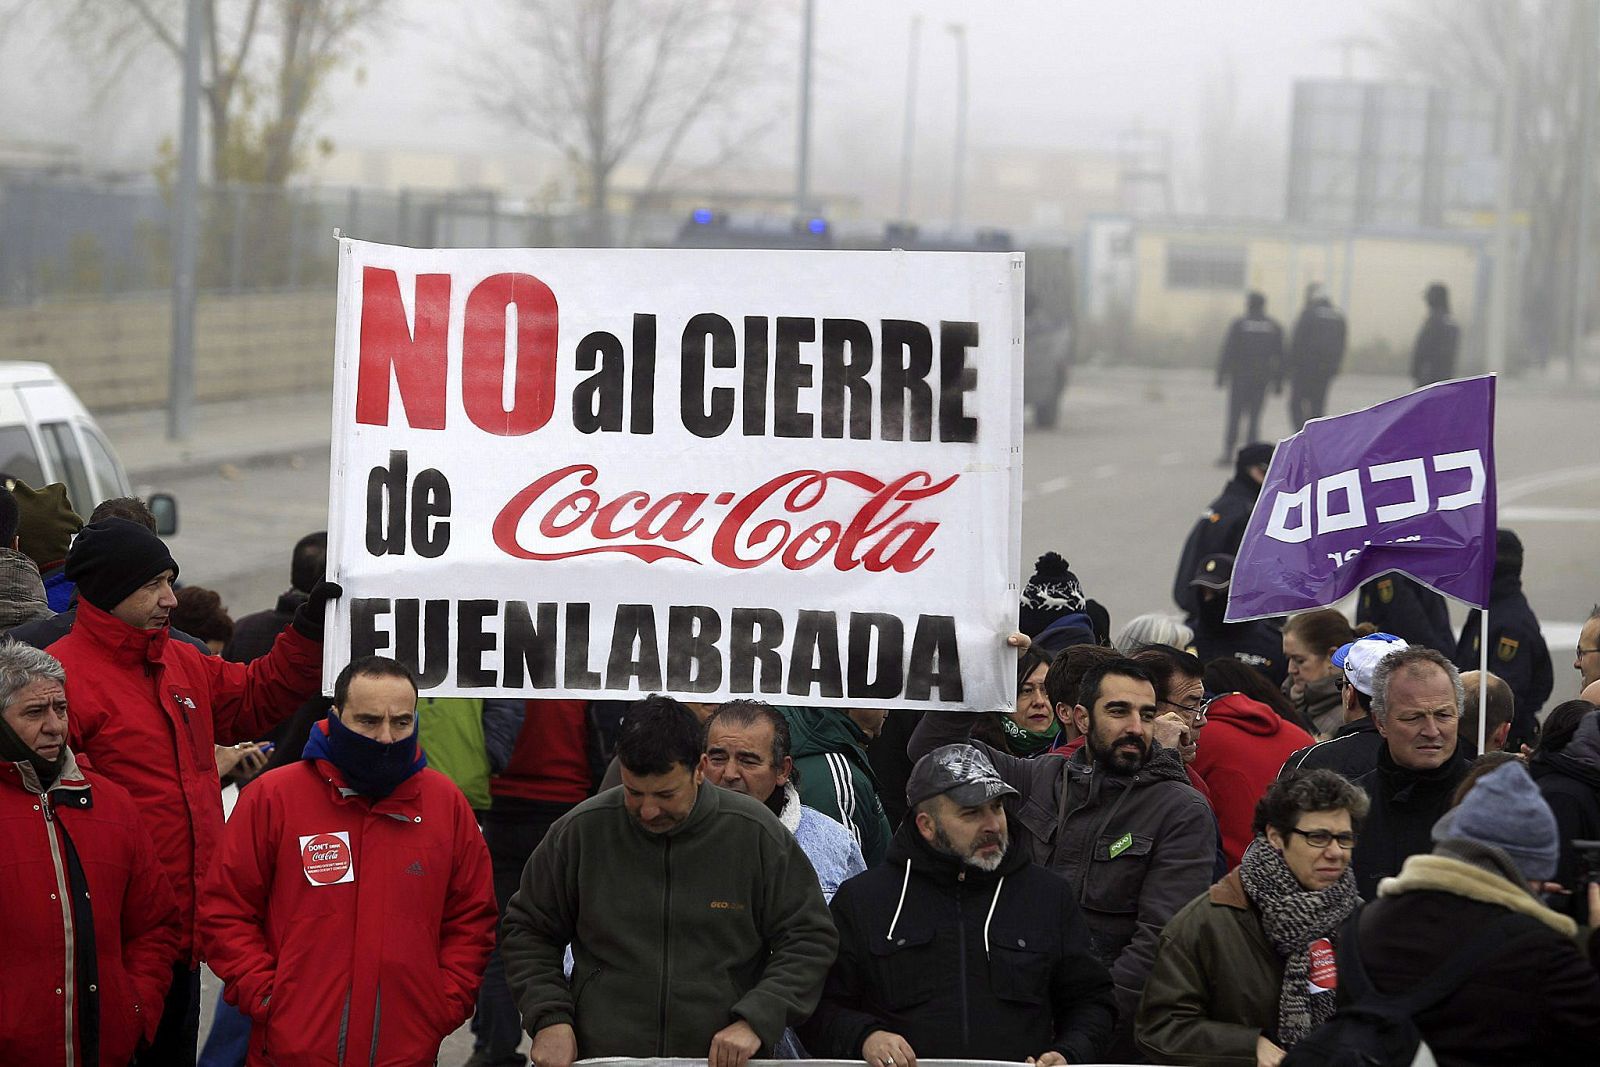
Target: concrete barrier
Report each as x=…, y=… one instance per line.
x=114, y=353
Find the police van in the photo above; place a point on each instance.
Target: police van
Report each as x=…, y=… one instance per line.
x=47, y=435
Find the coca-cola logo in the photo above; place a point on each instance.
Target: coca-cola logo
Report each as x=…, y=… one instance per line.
x=800, y=519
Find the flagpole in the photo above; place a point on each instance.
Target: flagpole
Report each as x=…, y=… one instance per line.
x=1483, y=679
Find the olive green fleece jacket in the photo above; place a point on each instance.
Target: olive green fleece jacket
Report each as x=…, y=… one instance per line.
x=674, y=935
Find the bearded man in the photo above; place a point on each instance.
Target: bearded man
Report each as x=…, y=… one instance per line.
x=960, y=947
x=1118, y=819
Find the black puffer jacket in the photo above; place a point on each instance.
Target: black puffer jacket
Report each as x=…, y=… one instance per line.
x=1405, y=805
x=963, y=964
x=1570, y=782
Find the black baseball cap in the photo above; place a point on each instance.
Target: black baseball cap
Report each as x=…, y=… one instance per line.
x=1215, y=572
x=961, y=772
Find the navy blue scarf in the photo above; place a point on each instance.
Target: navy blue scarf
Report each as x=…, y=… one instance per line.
x=372, y=768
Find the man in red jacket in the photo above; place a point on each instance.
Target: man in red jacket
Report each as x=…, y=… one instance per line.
x=81, y=978
x=147, y=710
x=351, y=908
x=1245, y=744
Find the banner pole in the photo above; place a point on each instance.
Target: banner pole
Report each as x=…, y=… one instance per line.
x=1483, y=679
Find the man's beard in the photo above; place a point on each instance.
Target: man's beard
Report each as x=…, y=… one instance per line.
x=1127, y=755
x=942, y=843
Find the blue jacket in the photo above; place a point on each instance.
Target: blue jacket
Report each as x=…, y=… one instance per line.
x=831, y=848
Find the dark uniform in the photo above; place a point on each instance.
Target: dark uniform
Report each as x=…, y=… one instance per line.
x=1517, y=652
x=1401, y=605
x=1257, y=643
x=1252, y=358
x=1220, y=528
x=1315, y=351
x=1433, y=357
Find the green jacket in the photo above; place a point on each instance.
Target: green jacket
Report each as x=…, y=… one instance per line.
x=1215, y=984
x=450, y=731
x=675, y=935
x=830, y=752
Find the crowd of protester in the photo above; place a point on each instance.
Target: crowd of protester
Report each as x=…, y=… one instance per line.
x=1195, y=842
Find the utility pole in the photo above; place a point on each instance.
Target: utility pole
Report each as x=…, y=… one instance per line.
x=1585, y=147
x=1494, y=355
x=802, y=192
x=911, y=119
x=185, y=227
x=960, y=33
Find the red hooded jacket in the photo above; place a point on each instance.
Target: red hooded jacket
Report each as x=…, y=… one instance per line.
x=1242, y=747
x=352, y=932
x=90, y=927
x=146, y=712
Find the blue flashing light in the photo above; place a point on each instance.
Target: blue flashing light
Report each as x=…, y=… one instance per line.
x=817, y=226
x=703, y=216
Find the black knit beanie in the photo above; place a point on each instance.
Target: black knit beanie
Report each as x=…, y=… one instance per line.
x=1052, y=592
x=113, y=557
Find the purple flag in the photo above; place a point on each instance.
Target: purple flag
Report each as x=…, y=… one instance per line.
x=1407, y=485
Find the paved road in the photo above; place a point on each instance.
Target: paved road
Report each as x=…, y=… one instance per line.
x=1115, y=490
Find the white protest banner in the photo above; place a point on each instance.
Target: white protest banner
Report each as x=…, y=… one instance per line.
x=604, y=473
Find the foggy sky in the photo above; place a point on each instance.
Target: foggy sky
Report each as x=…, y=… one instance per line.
x=1070, y=73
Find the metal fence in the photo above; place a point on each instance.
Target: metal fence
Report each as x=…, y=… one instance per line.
x=72, y=237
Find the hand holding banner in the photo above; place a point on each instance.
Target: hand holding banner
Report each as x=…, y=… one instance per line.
x=604, y=473
x=1406, y=485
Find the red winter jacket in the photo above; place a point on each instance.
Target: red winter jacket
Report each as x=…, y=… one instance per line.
x=1243, y=745
x=88, y=927
x=351, y=932
x=146, y=711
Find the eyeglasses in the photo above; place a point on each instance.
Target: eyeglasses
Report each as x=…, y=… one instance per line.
x=1198, y=711
x=1585, y=651
x=1324, y=838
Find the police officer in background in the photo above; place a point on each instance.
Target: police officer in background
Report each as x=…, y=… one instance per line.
x=1397, y=604
x=1315, y=351
x=1517, y=651
x=1252, y=358
x=1220, y=528
x=1433, y=357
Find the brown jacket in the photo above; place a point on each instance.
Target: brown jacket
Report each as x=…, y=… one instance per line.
x=1214, y=988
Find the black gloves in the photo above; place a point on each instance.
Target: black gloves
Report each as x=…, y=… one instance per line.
x=308, y=616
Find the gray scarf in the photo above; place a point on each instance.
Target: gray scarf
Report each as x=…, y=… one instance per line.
x=1292, y=917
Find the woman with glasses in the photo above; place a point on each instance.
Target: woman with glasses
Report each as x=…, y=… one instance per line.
x=1031, y=727
x=1309, y=641
x=1246, y=970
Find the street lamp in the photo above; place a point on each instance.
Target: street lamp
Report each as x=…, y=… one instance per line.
x=802, y=193
x=911, y=119
x=960, y=33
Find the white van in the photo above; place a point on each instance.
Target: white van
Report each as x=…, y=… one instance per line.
x=47, y=435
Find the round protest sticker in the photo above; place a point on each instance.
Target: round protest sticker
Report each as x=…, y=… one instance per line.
x=1324, y=977
x=326, y=858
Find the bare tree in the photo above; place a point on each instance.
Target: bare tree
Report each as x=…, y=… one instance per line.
x=614, y=82
x=1462, y=45
x=264, y=65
